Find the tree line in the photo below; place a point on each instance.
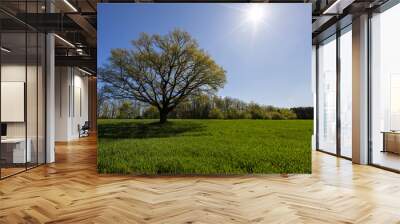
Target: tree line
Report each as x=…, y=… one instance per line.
x=200, y=107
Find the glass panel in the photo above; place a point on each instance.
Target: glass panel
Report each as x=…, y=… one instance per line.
x=31, y=98
x=13, y=88
x=41, y=98
x=23, y=90
x=385, y=84
x=346, y=93
x=32, y=88
x=327, y=96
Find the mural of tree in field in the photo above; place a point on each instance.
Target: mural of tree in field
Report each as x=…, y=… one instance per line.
x=192, y=93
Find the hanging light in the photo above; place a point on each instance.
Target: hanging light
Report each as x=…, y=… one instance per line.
x=64, y=40
x=5, y=50
x=84, y=71
x=70, y=5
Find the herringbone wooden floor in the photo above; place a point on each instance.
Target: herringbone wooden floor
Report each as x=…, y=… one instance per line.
x=70, y=191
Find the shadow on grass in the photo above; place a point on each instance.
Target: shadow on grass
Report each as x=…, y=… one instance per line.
x=148, y=130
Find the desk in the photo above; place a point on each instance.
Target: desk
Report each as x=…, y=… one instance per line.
x=13, y=150
x=391, y=141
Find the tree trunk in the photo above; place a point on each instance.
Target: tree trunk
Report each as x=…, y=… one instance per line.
x=163, y=116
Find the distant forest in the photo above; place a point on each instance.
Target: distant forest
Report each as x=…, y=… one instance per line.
x=200, y=107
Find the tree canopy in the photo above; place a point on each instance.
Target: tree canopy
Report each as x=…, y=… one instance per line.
x=162, y=71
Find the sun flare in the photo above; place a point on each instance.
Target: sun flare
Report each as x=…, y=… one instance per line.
x=255, y=14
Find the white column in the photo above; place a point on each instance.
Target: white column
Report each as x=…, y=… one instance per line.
x=314, y=94
x=50, y=99
x=360, y=90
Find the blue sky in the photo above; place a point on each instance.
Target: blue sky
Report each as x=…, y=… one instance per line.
x=265, y=48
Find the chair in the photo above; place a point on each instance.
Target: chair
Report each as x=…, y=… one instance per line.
x=84, y=130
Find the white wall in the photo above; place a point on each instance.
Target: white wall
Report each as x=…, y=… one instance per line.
x=80, y=109
x=71, y=94
x=62, y=82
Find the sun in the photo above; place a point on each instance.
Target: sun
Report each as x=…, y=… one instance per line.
x=255, y=14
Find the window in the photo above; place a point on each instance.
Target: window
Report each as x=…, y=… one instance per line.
x=346, y=92
x=327, y=95
x=385, y=89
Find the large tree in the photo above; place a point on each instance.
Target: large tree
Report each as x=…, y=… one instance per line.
x=161, y=71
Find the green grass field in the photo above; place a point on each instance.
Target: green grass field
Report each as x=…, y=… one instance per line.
x=204, y=147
